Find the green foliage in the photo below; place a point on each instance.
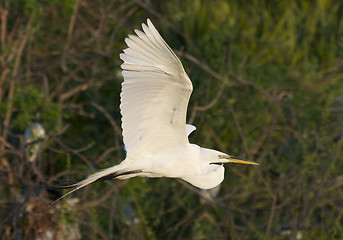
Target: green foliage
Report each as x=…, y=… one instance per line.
x=26, y=7
x=28, y=102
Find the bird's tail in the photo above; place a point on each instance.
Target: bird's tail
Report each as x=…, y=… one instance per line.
x=104, y=174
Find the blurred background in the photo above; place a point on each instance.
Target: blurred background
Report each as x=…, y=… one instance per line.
x=268, y=86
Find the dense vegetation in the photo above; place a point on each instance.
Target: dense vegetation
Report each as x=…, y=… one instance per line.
x=268, y=86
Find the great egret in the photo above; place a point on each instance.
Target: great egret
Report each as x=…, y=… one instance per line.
x=154, y=98
x=33, y=139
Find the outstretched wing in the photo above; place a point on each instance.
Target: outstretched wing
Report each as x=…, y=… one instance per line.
x=155, y=94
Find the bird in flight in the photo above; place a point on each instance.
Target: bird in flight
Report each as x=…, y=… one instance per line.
x=154, y=99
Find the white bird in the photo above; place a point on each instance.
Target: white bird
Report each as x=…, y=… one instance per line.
x=154, y=98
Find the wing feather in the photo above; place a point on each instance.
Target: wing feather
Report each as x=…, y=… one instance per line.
x=155, y=94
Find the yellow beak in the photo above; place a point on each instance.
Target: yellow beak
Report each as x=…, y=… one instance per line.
x=233, y=159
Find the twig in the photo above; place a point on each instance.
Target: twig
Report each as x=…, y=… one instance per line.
x=205, y=67
x=238, y=125
x=75, y=90
x=104, y=154
x=73, y=151
x=271, y=217
x=4, y=14
x=19, y=53
x=100, y=200
x=108, y=116
x=160, y=16
x=70, y=32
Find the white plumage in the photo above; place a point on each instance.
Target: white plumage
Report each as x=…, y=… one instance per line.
x=155, y=94
x=154, y=99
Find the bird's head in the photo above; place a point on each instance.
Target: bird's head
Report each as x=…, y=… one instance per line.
x=212, y=169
